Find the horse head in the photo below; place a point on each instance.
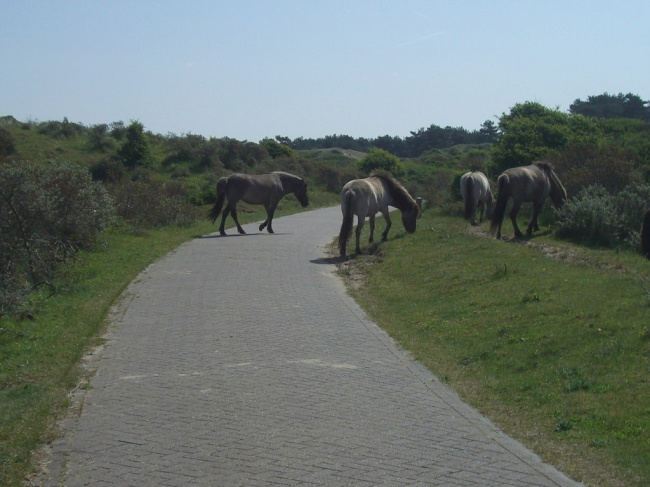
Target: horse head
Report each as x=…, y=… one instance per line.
x=557, y=192
x=410, y=218
x=301, y=193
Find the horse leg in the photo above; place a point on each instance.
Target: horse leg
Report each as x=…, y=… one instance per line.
x=233, y=212
x=269, y=218
x=372, y=228
x=532, y=225
x=360, y=223
x=384, y=235
x=224, y=215
x=481, y=207
x=513, y=217
x=264, y=224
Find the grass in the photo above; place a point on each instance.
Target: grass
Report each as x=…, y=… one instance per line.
x=555, y=350
x=40, y=352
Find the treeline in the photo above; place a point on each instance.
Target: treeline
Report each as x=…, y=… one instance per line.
x=414, y=145
x=603, y=106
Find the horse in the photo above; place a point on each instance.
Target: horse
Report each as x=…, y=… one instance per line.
x=476, y=193
x=265, y=189
x=366, y=197
x=532, y=183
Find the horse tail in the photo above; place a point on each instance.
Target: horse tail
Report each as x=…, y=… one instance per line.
x=503, y=193
x=222, y=187
x=645, y=235
x=470, y=202
x=348, y=220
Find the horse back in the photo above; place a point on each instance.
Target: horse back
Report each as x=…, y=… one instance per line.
x=254, y=189
x=362, y=196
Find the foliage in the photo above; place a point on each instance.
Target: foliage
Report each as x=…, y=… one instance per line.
x=99, y=138
x=420, y=141
x=64, y=129
x=275, y=149
x=108, y=170
x=583, y=165
x=379, y=159
x=7, y=145
x=597, y=217
x=134, y=152
x=608, y=106
x=528, y=134
x=148, y=202
x=47, y=214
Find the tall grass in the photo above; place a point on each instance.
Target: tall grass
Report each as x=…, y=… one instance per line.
x=549, y=340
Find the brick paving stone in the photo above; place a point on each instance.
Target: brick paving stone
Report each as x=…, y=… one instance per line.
x=241, y=361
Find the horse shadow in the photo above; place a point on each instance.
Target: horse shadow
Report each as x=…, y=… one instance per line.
x=216, y=235
x=329, y=260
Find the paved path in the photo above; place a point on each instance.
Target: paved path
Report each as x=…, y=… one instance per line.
x=241, y=361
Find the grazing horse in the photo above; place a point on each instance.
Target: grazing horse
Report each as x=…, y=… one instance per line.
x=266, y=189
x=365, y=197
x=476, y=193
x=532, y=183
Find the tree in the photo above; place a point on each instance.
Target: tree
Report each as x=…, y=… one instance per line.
x=276, y=149
x=489, y=131
x=380, y=159
x=612, y=106
x=529, y=133
x=135, y=150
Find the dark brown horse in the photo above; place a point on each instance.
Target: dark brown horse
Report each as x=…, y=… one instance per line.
x=265, y=189
x=366, y=197
x=532, y=183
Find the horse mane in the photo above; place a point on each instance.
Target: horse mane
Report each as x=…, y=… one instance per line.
x=287, y=174
x=402, y=199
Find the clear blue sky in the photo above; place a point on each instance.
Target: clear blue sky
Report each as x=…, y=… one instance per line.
x=249, y=69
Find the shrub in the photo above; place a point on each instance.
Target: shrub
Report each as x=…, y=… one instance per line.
x=99, y=137
x=108, y=170
x=583, y=165
x=7, y=146
x=597, y=217
x=64, y=129
x=146, y=202
x=134, y=151
x=47, y=213
x=590, y=216
x=379, y=159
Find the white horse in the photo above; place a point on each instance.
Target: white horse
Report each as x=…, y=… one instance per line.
x=366, y=197
x=476, y=193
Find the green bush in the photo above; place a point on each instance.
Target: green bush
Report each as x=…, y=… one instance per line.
x=7, y=145
x=379, y=159
x=597, y=217
x=147, y=202
x=47, y=213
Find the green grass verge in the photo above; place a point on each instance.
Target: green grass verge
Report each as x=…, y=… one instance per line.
x=549, y=340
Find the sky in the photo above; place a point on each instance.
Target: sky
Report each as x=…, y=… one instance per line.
x=251, y=69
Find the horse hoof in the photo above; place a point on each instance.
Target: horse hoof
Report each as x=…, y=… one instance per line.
x=223, y=234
